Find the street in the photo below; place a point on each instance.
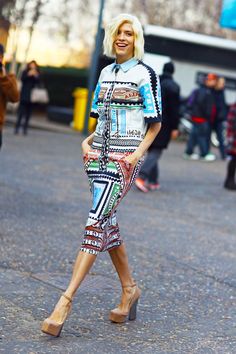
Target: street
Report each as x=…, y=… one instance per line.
x=181, y=243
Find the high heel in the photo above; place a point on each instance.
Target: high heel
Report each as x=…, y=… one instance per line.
x=119, y=316
x=53, y=327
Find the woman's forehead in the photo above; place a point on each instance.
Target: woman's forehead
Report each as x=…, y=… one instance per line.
x=126, y=26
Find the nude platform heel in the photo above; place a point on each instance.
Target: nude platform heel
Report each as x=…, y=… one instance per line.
x=52, y=327
x=119, y=316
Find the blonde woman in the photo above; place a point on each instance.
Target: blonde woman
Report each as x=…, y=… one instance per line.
x=127, y=106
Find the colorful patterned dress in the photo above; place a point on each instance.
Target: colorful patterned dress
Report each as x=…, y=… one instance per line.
x=127, y=98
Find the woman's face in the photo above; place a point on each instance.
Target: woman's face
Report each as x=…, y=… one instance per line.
x=32, y=66
x=124, y=43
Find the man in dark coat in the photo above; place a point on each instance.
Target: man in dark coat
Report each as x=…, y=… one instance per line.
x=170, y=91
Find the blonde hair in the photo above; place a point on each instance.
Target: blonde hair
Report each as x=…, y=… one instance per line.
x=111, y=32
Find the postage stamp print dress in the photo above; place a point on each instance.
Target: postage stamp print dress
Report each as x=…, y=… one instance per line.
x=127, y=98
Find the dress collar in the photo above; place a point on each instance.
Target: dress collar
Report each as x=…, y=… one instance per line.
x=126, y=65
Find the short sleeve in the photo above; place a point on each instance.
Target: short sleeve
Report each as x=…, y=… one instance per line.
x=150, y=91
x=94, y=109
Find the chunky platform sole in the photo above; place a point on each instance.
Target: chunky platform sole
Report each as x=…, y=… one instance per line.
x=52, y=329
x=121, y=318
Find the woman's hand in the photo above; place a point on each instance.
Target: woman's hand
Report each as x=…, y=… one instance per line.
x=153, y=130
x=3, y=72
x=174, y=134
x=85, y=147
x=33, y=72
x=86, y=144
x=133, y=158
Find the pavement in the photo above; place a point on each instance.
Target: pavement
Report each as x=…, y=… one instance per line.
x=40, y=121
x=181, y=243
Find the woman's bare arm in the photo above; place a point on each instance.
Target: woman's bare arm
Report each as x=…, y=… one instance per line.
x=152, y=132
x=86, y=144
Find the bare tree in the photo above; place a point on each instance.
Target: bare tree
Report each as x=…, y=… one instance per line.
x=35, y=14
x=6, y=7
x=73, y=23
x=25, y=14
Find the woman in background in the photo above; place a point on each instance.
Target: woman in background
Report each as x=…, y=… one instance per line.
x=29, y=79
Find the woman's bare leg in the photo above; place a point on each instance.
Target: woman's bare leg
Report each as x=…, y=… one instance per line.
x=119, y=258
x=83, y=263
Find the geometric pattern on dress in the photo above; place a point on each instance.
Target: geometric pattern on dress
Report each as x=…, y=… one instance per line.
x=117, y=145
x=121, y=97
x=105, y=188
x=108, y=188
x=152, y=90
x=120, y=83
x=103, y=159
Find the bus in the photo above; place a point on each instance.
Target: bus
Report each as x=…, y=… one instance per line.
x=194, y=55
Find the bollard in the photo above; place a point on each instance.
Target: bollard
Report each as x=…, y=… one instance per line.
x=81, y=95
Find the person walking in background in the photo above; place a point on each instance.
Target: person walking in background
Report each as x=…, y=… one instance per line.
x=202, y=107
x=230, y=181
x=30, y=78
x=128, y=108
x=148, y=179
x=218, y=117
x=8, y=90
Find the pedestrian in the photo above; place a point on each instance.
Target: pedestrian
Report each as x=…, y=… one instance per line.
x=128, y=108
x=218, y=119
x=148, y=179
x=201, y=106
x=230, y=181
x=8, y=90
x=30, y=78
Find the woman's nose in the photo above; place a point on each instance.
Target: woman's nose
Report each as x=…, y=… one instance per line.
x=121, y=35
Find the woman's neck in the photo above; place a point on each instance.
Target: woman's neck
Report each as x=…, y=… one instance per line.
x=121, y=60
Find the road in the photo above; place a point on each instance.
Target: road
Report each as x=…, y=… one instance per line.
x=181, y=242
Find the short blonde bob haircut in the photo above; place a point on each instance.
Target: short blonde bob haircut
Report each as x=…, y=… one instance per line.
x=111, y=32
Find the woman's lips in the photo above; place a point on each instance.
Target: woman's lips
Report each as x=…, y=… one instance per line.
x=121, y=45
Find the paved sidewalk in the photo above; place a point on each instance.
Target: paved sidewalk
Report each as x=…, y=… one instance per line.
x=181, y=242
x=40, y=121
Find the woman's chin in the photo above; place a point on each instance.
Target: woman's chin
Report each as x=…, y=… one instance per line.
x=120, y=52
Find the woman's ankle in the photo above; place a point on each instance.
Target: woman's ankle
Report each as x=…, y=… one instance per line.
x=68, y=294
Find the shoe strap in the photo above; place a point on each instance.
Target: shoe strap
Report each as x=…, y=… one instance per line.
x=67, y=297
x=129, y=286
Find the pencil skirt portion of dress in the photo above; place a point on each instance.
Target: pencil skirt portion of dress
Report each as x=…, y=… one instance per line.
x=108, y=188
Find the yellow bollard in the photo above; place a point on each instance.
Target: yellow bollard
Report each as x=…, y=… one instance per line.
x=81, y=97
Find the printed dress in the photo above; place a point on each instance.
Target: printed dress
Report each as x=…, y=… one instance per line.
x=127, y=98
